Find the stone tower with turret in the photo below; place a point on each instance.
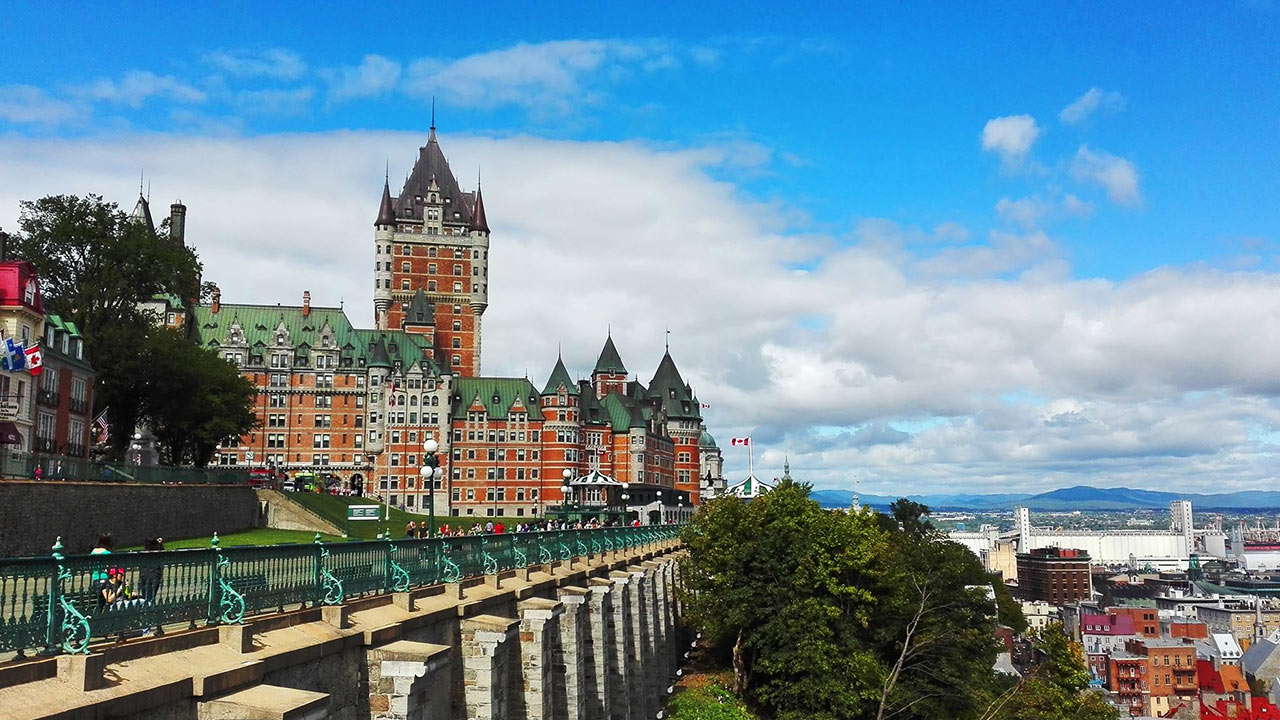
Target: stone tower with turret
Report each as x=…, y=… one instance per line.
x=431, y=250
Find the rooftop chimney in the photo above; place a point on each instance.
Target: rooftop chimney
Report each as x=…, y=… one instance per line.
x=4, y=245
x=306, y=303
x=217, y=300
x=178, y=222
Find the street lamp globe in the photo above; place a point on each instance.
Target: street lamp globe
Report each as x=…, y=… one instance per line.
x=567, y=474
x=430, y=445
x=427, y=471
x=439, y=472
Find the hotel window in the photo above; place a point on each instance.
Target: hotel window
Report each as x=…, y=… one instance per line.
x=457, y=270
x=431, y=268
x=404, y=284
x=457, y=287
x=457, y=309
x=431, y=252
x=431, y=286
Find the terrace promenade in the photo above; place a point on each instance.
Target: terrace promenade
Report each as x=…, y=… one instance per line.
x=572, y=624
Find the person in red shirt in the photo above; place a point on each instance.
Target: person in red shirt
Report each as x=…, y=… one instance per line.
x=497, y=528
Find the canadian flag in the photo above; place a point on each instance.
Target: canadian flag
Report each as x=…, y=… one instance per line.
x=704, y=405
x=740, y=441
x=35, y=361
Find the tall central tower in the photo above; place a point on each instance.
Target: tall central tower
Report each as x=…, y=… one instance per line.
x=433, y=238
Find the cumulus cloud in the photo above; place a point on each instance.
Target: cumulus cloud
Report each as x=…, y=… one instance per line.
x=137, y=86
x=1011, y=137
x=30, y=105
x=275, y=102
x=1116, y=175
x=375, y=75
x=1094, y=99
x=1029, y=379
x=273, y=63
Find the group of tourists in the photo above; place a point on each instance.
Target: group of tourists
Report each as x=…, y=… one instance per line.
x=490, y=527
x=112, y=585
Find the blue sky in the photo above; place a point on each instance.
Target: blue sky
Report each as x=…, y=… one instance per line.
x=1095, y=155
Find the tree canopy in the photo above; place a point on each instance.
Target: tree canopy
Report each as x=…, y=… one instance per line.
x=832, y=615
x=97, y=266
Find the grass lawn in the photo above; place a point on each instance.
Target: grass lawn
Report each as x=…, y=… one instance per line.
x=261, y=536
x=334, y=509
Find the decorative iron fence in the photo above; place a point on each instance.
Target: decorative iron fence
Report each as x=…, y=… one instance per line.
x=58, y=604
x=21, y=464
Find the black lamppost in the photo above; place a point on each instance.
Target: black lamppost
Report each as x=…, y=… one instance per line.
x=624, y=497
x=662, y=510
x=431, y=473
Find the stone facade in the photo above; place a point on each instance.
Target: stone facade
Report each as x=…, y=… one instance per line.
x=80, y=512
x=570, y=659
x=487, y=661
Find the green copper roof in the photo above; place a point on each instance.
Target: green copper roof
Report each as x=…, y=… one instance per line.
x=706, y=441
x=609, y=363
x=677, y=399
x=306, y=333
x=496, y=394
x=623, y=412
x=560, y=376
x=62, y=325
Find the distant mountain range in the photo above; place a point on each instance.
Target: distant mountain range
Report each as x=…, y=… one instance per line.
x=1080, y=497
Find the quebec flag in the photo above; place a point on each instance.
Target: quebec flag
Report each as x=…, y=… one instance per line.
x=15, y=356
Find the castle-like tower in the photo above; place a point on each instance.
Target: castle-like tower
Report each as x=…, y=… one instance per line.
x=431, y=261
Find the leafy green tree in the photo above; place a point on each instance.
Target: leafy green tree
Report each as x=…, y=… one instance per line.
x=1057, y=689
x=936, y=631
x=192, y=399
x=788, y=587
x=97, y=266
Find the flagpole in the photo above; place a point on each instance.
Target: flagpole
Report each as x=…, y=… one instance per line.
x=751, y=458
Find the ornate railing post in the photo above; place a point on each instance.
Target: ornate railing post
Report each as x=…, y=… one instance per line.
x=397, y=578
x=490, y=563
x=226, y=606
x=521, y=560
x=68, y=629
x=450, y=572
x=328, y=587
x=544, y=549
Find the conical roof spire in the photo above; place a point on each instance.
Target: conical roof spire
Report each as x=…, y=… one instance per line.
x=609, y=363
x=380, y=356
x=560, y=376
x=478, y=220
x=386, y=212
x=432, y=137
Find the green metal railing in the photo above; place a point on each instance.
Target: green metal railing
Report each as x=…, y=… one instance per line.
x=57, y=604
x=21, y=464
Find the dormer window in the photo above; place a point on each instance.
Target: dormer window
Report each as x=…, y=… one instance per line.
x=29, y=295
x=79, y=349
x=48, y=333
x=66, y=345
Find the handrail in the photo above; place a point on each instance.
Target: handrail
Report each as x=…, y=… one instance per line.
x=56, y=603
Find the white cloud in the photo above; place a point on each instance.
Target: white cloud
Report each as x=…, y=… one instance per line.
x=375, y=75
x=1011, y=137
x=1033, y=211
x=1116, y=175
x=28, y=104
x=549, y=78
x=1092, y=100
x=137, y=86
x=272, y=63
x=275, y=102
x=1164, y=380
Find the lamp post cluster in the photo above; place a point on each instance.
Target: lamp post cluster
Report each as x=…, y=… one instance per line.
x=431, y=473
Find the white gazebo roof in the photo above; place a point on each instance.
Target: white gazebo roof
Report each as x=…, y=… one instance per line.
x=749, y=488
x=595, y=477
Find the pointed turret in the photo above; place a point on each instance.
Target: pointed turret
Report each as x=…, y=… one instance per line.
x=421, y=310
x=609, y=363
x=667, y=385
x=380, y=358
x=386, y=211
x=560, y=376
x=478, y=221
